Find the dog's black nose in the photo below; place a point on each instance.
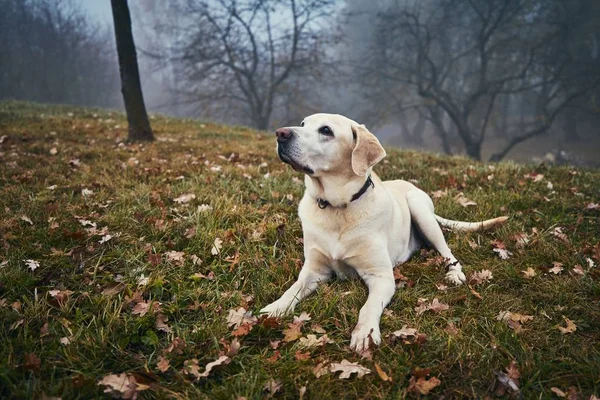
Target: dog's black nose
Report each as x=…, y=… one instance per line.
x=283, y=134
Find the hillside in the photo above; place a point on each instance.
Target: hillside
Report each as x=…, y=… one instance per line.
x=121, y=263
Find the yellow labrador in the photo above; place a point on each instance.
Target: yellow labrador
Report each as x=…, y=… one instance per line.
x=354, y=224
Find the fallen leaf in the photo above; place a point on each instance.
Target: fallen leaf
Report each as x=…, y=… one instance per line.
x=348, y=368
x=300, y=356
x=558, y=233
x=176, y=257
x=557, y=268
x=32, y=264
x=578, y=270
x=292, y=333
x=240, y=316
x=558, y=392
x=422, y=385
x=529, y=273
x=184, y=198
x=435, y=306
x=32, y=362
x=143, y=307
x=303, y=317
x=321, y=369
x=123, y=385
x=217, y=246
x=451, y=329
x=272, y=386
x=161, y=323
x=570, y=328
x=276, y=355
x=65, y=341
x=381, y=373
x=219, y=361
x=482, y=276
x=463, y=201
x=503, y=253
x=26, y=219
x=405, y=332
x=162, y=364
x=312, y=341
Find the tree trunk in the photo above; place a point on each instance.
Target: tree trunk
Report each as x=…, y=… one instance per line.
x=137, y=118
x=474, y=151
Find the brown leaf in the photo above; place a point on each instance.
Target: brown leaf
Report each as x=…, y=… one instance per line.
x=312, y=341
x=348, y=368
x=529, y=273
x=475, y=293
x=422, y=385
x=321, y=369
x=162, y=364
x=113, y=288
x=482, y=276
x=435, y=306
x=276, y=355
x=292, y=333
x=381, y=373
x=300, y=356
x=272, y=386
x=558, y=392
x=161, y=323
x=570, y=328
x=451, y=329
x=32, y=362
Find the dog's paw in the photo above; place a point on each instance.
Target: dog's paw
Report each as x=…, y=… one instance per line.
x=456, y=277
x=276, y=309
x=363, y=335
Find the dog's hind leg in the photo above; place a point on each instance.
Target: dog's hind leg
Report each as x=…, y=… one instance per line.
x=308, y=280
x=422, y=214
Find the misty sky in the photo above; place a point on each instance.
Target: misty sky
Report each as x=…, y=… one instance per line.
x=98, y=8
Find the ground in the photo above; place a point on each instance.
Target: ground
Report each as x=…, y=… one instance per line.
x=125, y=267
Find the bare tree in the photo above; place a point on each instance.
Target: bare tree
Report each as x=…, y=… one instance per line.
x=243, y=56
x=51, y=51
x=131, y=87
x=464, y=55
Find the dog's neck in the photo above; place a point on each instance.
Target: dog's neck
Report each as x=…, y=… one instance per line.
x=337, y=191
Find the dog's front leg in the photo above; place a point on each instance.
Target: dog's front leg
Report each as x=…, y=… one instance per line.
x=380, y=282
x=313, y=272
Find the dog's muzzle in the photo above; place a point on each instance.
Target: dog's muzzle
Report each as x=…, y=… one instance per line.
x=287, y=151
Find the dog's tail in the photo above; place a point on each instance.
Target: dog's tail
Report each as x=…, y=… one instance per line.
x=460, y=226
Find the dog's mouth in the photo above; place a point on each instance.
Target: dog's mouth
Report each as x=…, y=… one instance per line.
x=288, y=160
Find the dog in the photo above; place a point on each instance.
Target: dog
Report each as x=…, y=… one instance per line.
x=354, y=224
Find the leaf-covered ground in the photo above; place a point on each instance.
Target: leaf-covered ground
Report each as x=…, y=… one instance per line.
x=138, y=270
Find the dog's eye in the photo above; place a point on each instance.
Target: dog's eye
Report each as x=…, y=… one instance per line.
x=325, y=130
x=302, y=123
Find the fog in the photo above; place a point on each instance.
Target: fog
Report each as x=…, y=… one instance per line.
x=489, y=79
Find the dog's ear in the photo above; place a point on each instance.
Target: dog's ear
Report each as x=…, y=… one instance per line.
x=367, y=150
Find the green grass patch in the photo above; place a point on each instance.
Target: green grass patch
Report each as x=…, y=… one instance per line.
x=101, y=219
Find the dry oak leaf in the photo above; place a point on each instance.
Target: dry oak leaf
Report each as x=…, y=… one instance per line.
x=217, y=246
x=142, y=308
x=238, y=317
x=557, y=268
x=321, y=369
x=312, y=341
x=303, y=317
x=272, y=386
x=185, y=198
x=405, y=332
x=292, y=333
x=463, y=201
x=570, y=328
x=481, y=276
x=529, y=273
x=503, y=253
x=348, y=368
x=122, y=386
x=175, y=256
x=300, y=356
x=191, y=366
x=162, y=364
x=422, y=385
x=435, y=306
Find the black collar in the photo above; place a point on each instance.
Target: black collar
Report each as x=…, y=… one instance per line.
x=369, y=182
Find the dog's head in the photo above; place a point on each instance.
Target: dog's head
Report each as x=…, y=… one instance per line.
x=329, y=143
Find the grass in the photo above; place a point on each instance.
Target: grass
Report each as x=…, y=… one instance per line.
x=254, y=198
